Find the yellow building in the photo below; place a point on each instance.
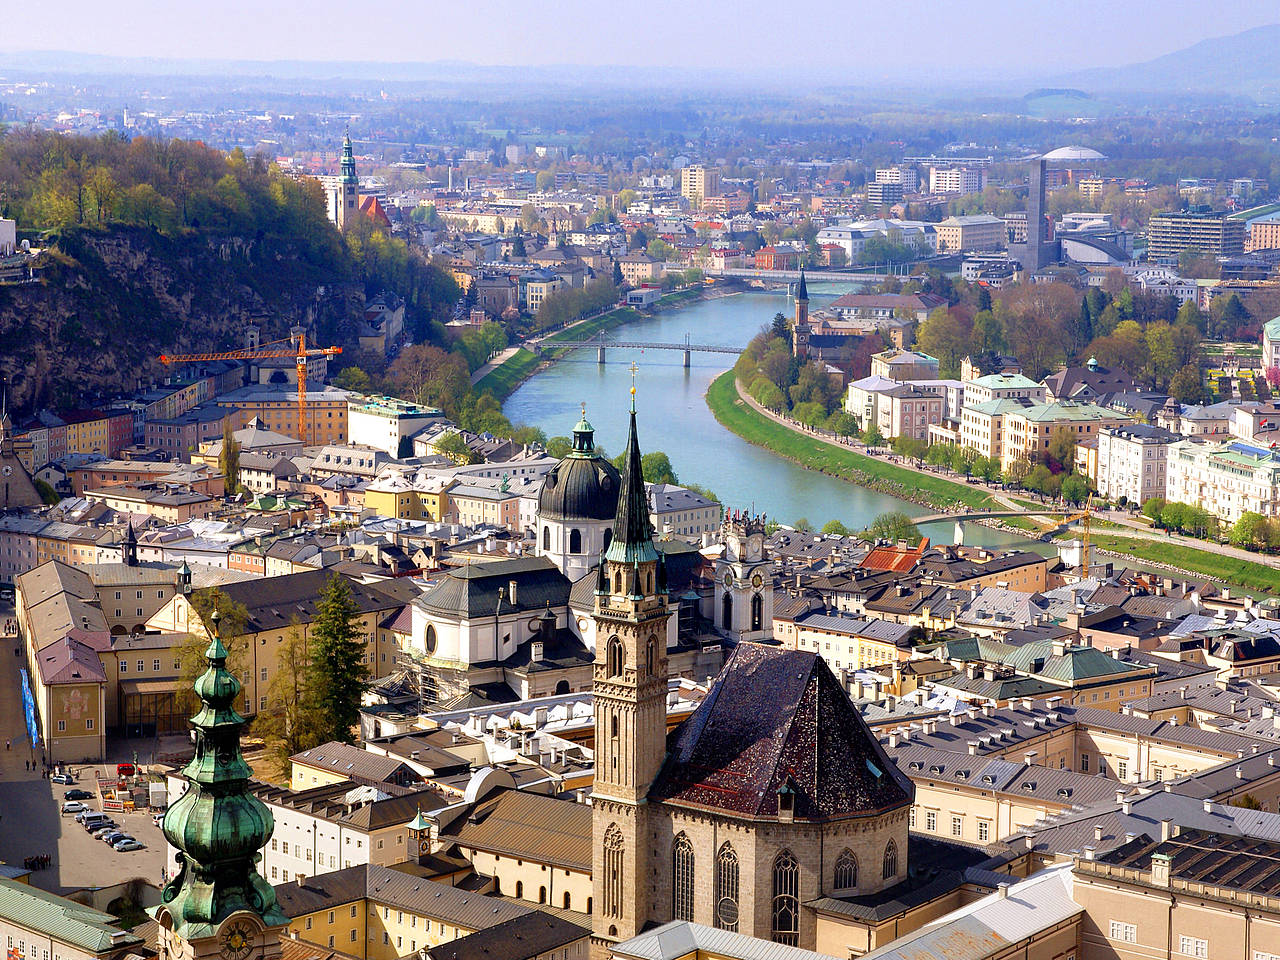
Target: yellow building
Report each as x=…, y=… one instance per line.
x=375, y=913
x=409, y=497
x=276, y=408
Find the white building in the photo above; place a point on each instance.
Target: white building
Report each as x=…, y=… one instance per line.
x=1132, y=461
x=1227, y=479
x=908, y=177
x=387, y=423
x=959, y=180
x=1002, y=386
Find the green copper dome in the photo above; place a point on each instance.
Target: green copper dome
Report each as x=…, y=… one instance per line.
x=217, y=826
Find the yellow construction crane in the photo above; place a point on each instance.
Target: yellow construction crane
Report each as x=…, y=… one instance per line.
x=297, y=348
x=1086, y=515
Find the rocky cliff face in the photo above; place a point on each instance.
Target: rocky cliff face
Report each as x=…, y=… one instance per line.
x=108, y=303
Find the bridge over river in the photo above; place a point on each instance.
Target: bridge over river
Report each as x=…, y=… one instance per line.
x=959, y=519
x=603, y=342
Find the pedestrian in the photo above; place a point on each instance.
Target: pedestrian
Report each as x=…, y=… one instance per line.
x=27, y=764
x=8, y=744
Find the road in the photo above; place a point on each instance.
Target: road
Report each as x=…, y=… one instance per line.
x=505, y=355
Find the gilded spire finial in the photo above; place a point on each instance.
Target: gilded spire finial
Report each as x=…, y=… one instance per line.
x=634, y=370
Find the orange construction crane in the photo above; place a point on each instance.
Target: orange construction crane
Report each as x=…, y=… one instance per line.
x=297, y=348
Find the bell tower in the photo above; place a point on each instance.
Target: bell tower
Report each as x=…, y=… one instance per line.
x=347, y=201
x=630, y=687
x=218, y=905
x=744, y=579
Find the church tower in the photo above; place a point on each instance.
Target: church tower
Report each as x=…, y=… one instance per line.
x=630, y=687
x=744, y=579
x=218, y=905
x=347, y=202
x=16, y=486
x=800, y=331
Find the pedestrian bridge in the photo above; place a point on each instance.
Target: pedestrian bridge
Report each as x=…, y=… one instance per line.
x=959, y=519
x=602, y=343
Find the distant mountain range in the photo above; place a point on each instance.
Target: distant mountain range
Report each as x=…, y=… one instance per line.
x=1244, y=63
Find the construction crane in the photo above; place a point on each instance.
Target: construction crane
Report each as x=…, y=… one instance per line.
x=296, y=348
x=1085, y=515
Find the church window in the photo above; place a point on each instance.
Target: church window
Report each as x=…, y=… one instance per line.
x=617, y=582
x=786, y=899
x=757, y=612
x=575, y=541
x=562, y=686
x=615, y=657
x=727, y=889
x=546, y=538
x=682, y=879
x=651, y=657
x=726, y=612
x=613, y=871
x=431, y=639
x=846, y=871
x=613, y=726
x=890, y=860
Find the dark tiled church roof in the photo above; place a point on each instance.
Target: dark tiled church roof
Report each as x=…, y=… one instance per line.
x=778, y=717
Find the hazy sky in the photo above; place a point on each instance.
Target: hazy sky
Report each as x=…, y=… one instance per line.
x=869, y=38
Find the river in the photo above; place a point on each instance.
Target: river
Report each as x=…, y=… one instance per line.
x=673, y=416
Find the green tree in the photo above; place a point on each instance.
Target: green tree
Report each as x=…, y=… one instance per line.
x=1247, y=801
x=456, y=449
x=48, y=495
x=1062, y=447
x=288, y=725
x=1075, y=489
x=353, y=379
x=655, y=466
x=803, y=525
x=559, y=447
x=872, y=436
x=1152, y=508
x=1250, y=531
x=894, y=526
x=842, y=424
x=1186, y=385
x=233, y=619
x=337, y=675
x=229, y=459
x=835, y=528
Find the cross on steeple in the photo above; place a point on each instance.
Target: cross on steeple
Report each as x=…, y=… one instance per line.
x=634, y=370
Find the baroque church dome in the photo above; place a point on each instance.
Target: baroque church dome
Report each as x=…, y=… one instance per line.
x=584, y=485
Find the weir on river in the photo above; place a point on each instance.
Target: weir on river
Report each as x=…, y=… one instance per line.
x=674, y=417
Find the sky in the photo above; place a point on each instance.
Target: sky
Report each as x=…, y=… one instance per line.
x=864, y=39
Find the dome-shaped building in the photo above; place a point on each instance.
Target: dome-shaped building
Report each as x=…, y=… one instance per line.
x=577, y=505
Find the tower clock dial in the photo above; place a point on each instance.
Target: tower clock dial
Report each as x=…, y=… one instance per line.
x=237, y=941
x=728, y=579
x=757, y=580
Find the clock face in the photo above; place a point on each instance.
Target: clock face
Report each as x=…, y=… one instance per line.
x=237, y=941
x=8, y=470
x=757, y=580
x=728, y=579
x=424, y=845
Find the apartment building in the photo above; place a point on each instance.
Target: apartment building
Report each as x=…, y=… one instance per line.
x=907, y=177
x=1131, y=461
x=387, y=423
x=697, y=182
x=974, y=232
x=1027, y=431
x=961, y=180
x=1214, y=234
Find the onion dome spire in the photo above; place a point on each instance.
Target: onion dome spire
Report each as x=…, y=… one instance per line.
x=217, y=826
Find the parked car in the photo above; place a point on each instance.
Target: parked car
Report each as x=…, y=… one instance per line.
x=95, y=820
x=100, y=827
x=77, y=794
x=124, y=846
x=63, y=778
x=112, y=837
x=74, y=806
x=157, y=818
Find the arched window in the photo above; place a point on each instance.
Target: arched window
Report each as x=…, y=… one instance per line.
x=519, y=889
x=682, y=879
x=757, y=612
x=613, y=726
x=617, y=582
x=562, y=686
x=615, y=657
x=575, y=540
x=726, y=612
x=786, y=899
x=613, y=849
x=546, y=538
x=846, y=877
x=726, y=917
x=651, y=657
x=430, y=640
x=890, y=860
x=568, y=901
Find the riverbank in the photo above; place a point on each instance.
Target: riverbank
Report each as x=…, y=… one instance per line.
x=503, y=379
x=1179, y=558
x=737, y=415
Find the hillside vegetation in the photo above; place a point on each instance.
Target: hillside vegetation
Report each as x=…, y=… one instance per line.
x=155, y=247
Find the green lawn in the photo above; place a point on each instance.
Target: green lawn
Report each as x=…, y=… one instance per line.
x=1255, y=576
x=505, y=377
x=736, y=415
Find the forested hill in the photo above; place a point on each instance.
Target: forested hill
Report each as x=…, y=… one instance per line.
x=165, y=247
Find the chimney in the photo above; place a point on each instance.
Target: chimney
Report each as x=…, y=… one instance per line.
x=1126, y=806
x=973, y=748
x=1160, y=869
x=1088, y=852
x=1027, y=703
x=1030, y=758
x=1120, y=791
x=1208, y=806
x=988, y=709
x=1097, y=832
x=1239, y=773
x=535, y=651
x=893, y=741
x=1002, y=891
x=511, y=592
x=1166, y=829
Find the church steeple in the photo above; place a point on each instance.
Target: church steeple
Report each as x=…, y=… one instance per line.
x=632, y=532
x=802, y=291
x=129, y=549
x=218, y=903
x=348, y=161
x=800, y=330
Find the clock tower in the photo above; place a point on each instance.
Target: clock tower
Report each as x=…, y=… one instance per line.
x=218, y=905
x=744, y=580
